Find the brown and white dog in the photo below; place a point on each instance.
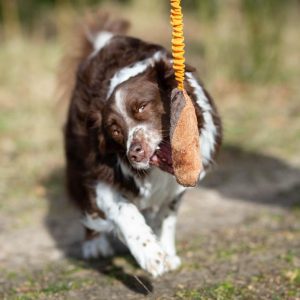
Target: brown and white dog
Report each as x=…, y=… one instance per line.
x=119, y=166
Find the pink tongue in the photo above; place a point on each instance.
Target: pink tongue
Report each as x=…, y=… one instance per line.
x=163, y=160
x=154, y=160
x=165, y=153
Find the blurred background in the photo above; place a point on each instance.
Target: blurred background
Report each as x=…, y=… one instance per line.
x=248, y=54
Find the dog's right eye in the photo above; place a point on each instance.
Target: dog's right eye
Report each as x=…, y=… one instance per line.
x=141, y=108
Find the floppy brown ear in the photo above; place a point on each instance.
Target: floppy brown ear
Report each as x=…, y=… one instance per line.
x=189, y=68
x=165, y=73
x=95, y=128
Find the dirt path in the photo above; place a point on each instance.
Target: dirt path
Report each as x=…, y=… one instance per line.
x=238, y=236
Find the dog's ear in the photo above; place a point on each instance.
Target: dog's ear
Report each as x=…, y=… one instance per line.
x=95, y=128
x=189, y=68
x=165, y=73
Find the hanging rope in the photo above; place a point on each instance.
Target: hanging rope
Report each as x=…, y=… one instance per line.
x=177, y=42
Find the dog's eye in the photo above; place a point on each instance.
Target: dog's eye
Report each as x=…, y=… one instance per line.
x=141, y=108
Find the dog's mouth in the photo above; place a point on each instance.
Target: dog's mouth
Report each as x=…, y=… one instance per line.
x=162, y=157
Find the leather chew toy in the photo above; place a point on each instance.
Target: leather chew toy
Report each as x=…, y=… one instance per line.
x=184, y=133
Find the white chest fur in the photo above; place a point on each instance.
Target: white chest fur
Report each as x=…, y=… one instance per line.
x=157, y=188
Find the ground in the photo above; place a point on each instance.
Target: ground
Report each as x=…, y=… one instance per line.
x=238, y=234
x=234, y=244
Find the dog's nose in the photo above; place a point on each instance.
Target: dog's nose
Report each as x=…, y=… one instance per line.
x=136, y=152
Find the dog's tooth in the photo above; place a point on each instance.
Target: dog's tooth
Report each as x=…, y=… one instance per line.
x=157, y=148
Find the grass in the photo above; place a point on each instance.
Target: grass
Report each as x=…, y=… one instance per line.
x=215, y=268
x=30, y=138
x=221, y=291
x=52, y=280
x=257, y=287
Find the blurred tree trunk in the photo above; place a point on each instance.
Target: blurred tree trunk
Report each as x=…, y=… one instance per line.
x=11, y=21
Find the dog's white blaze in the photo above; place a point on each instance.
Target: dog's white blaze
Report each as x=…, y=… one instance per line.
x=209, y=130
x=133, y=70
x=121, y=107
x=131, y=132
x=101, y=40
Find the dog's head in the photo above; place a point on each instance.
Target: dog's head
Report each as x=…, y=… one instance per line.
x=121, y=98
x=136, y=118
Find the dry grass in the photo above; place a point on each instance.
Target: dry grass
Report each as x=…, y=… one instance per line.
x=30, y=131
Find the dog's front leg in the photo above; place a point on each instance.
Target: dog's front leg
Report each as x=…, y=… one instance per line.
x=168, y=217
x=132, y=229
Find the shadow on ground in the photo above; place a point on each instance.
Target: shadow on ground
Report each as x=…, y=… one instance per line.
x=240, y=176
x=63, y=224
x=254, y=177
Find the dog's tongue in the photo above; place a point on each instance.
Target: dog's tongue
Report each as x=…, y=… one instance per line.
x=162, y=158
x=154, y=160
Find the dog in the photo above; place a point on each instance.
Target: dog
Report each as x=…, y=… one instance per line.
x=118, y=155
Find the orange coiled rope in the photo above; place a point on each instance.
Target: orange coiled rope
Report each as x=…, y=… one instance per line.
x=177, y=42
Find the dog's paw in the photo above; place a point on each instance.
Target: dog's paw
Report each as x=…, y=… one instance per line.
x=149, y=255
x=173, y=262
x=99, y=246
x=153, y=260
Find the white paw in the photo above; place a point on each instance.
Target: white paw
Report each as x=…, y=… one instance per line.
x=155, y=262
x=150, y=256
x=173, y=262
x=96, y=247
